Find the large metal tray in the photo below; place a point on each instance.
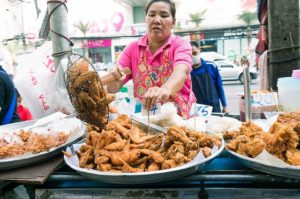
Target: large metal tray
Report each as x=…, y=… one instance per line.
x=29, y=158
x=141, y=177
x=284, y=171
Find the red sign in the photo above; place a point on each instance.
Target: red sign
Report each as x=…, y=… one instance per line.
x=197, y=36
x=99, y=43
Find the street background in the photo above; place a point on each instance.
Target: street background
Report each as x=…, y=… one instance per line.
x=231, y=89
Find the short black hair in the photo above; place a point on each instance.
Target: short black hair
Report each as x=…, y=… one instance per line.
x=17, y=93
x=194, y=43
x=171, y=4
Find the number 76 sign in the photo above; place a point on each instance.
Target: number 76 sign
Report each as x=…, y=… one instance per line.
x=201, y=110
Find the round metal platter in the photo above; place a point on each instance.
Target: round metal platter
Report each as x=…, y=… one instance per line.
x=140, y=177
x=30, y=158
x=284, y=171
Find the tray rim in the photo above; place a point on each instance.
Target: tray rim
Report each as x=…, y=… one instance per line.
x=266, y=167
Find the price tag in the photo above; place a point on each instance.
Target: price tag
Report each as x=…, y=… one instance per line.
x=270, y=114
x=201, y=110
x=154, y=110
x=265, y=99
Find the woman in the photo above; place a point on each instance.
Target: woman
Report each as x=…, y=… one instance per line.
x=159, y=62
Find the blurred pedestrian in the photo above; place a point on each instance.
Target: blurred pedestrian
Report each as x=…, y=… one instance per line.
x=207, y=82
x=8, y=99
x=22, y=111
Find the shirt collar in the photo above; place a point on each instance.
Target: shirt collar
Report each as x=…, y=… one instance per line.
x=144, y=40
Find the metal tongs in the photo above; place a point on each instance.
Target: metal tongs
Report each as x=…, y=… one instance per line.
x=151, y=125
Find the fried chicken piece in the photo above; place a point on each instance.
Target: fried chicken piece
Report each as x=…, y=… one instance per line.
x=238, y=144
x=293, y=157
x=175, y=133
x=206, y=151
x=110, y=97
x=116, y=146
x=12, y=150
x=153, y=167
x=79, y=67
x=293, y=117
x=92, y=138
x=155, y=143
x=254, y=147
x=101, y=159
x=106, y=139
x=167, y=164
x=283, y=138
x=126, y=168
x=104, y=166
x=135, y=136
x=155, y=156
x=69, y=155
x=85, y=158
x=229, y=135
x=192, y=154
x=115, y=156
x=25, y=135
x=85, y=147
x=251, y=130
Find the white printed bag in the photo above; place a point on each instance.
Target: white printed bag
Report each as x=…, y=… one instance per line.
x=34, y=81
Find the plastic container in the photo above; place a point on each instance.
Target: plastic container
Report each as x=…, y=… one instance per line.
x=289, y=94
x=256, y=113
x=296, y=74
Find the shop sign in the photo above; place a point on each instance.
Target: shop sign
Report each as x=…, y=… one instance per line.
x=99, y=43
x=238, y=32
x=197, y=36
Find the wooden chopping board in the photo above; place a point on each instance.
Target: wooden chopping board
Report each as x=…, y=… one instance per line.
x=32, y=174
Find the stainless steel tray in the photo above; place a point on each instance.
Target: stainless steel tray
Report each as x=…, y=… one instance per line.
x=284, y=171
x=29, y=158
x=141, y=177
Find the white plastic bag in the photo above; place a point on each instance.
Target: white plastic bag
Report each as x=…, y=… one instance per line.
x=59, y=99
x=33, y=79
x=42, y=88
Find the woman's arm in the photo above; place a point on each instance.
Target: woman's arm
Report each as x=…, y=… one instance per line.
x=177, y=79
x=171, y=87
x=115, y=86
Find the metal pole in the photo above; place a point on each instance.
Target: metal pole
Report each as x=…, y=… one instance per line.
x=247, y=91
x=58, y=27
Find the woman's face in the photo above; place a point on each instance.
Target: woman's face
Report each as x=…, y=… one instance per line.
x=159, y=21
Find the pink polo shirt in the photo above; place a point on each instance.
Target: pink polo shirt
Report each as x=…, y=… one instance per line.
x=179, y=52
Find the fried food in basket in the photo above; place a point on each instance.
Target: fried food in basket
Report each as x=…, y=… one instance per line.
x=87, y=94
x=282, y=139
x=124, y=147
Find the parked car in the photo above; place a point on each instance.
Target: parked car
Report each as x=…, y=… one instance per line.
x=212, y=56
x=230, y=71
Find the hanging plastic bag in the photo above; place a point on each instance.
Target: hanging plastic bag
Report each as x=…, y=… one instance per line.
x=33, y=80
x=59, y=99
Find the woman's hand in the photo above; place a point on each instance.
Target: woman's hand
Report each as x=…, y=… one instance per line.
x=154, y=95
x=225, y=110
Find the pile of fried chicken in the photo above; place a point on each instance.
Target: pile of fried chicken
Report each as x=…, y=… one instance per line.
x=282, y=139
x=125, y=147
x=30, y=142
x=87, y=94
